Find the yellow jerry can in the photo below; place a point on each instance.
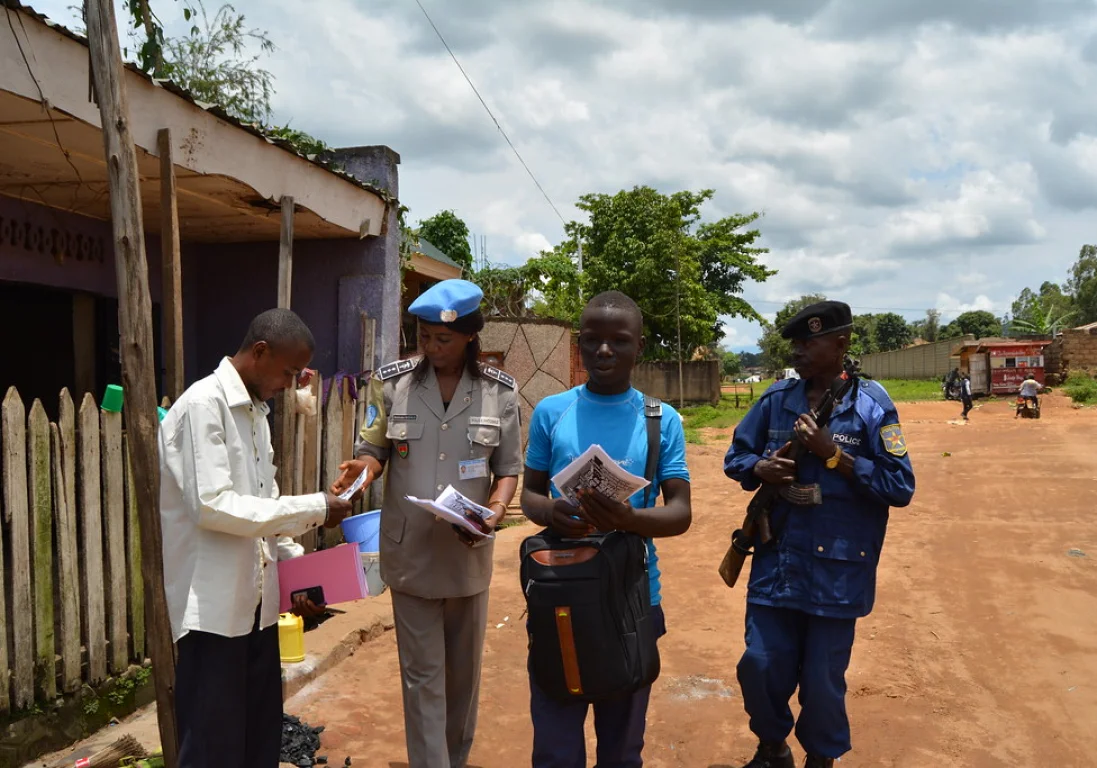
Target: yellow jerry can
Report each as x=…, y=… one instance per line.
x=291, y=638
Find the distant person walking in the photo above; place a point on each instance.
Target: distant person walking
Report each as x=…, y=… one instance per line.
x=965, y=394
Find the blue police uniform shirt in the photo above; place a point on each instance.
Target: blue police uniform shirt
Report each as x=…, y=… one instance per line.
x=565, y=425
x=824, y=561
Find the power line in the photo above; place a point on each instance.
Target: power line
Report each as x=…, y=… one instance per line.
x=870, y=309
x=490, y=113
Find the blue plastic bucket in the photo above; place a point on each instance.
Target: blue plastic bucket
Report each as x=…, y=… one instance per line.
x=364, y=530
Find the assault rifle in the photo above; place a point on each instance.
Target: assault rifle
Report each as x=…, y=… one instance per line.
x=757, y=521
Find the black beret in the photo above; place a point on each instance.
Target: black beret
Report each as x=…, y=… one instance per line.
x=819, y=320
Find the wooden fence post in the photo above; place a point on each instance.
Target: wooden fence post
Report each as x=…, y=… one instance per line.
x=135, y=326
x=5, y=617
x=68, y=573
x=308, y=452
x=17, y=515
x=41, y=502
x=133, y=548
x=333, y=443
x=114, y=519
x=89, y=480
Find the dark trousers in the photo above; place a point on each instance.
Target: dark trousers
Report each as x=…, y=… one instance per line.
x=786, y=649
x=968, y=405
x=228, y=700
x=559, y=740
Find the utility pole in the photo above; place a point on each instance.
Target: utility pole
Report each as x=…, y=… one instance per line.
x=138, y=372
x=678, y=314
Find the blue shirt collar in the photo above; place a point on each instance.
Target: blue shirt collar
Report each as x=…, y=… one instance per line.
x=622, y=397
x=796, y=399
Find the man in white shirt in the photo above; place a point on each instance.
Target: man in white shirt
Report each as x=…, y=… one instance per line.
x=224, y=524
x=1030, y=389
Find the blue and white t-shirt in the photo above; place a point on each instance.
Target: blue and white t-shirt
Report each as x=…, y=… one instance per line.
x=565, y=425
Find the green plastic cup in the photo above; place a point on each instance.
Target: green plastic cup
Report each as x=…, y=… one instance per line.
x=112, y=399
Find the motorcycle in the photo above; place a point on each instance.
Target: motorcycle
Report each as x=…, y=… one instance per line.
x=951, y=390
x=1028, y=408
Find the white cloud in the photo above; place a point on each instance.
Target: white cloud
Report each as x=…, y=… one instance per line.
x=906, y=155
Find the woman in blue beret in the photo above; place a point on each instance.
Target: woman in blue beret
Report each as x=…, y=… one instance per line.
x=433, y=421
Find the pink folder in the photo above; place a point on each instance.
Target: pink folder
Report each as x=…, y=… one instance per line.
x=338, y=570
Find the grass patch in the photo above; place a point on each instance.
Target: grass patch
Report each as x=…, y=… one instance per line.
x=721, y=416
x=908, y=390
x=1081, y=388
x=726, y=415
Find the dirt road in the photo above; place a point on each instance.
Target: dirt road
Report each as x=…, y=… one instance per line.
x=982, y=650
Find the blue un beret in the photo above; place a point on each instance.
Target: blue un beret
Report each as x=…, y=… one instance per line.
x=447, y=301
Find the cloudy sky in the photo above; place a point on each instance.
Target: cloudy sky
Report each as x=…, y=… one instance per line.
x=905, y=155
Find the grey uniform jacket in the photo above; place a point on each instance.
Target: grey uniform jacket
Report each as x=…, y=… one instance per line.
x=427, y=448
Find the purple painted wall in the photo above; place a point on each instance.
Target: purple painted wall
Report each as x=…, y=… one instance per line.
x=238, y=281
x=68, y=265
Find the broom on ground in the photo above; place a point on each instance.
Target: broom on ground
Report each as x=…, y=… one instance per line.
x=127, y=746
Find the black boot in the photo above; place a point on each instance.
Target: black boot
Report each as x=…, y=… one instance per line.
x=814, y=761
x=772, y=754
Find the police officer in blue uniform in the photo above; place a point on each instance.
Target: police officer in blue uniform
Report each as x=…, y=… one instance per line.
x=808, y=588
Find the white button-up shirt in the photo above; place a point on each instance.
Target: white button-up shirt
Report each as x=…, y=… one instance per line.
x=221, y=512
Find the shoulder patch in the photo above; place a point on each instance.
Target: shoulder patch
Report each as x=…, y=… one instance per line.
x=502, y=377
x=894, y=441
x=398, y=368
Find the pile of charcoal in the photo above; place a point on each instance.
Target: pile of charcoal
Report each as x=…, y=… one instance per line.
x=300, y=743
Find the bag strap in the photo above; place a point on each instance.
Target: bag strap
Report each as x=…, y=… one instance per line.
x=653, y=415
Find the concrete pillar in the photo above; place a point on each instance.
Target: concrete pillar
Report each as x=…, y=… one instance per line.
x=376, y=165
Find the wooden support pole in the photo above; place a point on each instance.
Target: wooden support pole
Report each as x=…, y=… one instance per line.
x=285, y=407
x=285, y=255
x=135, y=325
x=172, y=270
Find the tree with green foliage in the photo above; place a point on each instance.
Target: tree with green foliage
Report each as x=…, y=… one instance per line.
x=1082, y=285
x=506, y=289
x=979, y=323
x=892, y=332
x=1041, y=321
x=777, y=352
x=730, y=363
x=447, y=232
x=928, y=329
x=686, y=275
x=213, y=62
x=556, y=285
x=863, y=338
x=1049, y=309
x=750, y=359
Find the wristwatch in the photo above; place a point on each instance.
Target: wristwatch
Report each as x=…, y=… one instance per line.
x=832, y=462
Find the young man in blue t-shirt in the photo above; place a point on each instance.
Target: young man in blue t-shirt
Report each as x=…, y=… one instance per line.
x=609, y=412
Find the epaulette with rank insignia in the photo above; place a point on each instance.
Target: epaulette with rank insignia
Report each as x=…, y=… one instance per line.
x=502, y=377
x=398, y=368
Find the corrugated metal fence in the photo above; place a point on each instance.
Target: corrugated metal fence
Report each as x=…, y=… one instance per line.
x=926, y=361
